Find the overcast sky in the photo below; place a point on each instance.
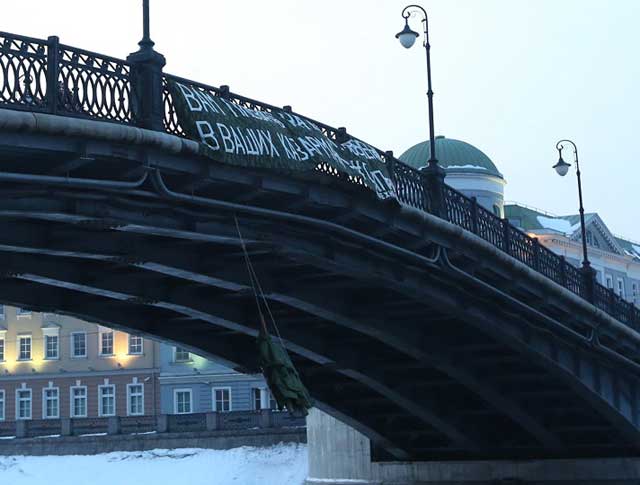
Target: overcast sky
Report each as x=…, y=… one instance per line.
x=510, y=76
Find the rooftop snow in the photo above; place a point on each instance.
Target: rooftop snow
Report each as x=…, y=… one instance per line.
x=557, y=224
x=477, y=167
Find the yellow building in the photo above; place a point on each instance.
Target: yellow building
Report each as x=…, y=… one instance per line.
x=54, y=366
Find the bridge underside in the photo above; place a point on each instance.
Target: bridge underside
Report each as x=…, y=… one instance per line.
x=428, y=347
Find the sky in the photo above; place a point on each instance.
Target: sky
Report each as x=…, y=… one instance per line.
x=511, y=77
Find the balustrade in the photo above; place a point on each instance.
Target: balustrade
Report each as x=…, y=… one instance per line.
x=176, y=423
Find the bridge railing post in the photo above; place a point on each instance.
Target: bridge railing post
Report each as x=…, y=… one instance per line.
x=506, y=237
x=589, y=285
x=53, y=73
x=563, y=271
x=433, y=178
x=341, y=135
x=391, y=166
x=474, y=214
x=536, y=254
x=147, y=101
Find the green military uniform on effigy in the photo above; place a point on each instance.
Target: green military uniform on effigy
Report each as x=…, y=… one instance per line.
x=282, y=377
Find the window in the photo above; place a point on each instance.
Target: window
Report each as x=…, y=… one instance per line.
x=621, y=292
x=21, y=313
x=222, y=399
x=51, y=333
x=78, y=344
x=79, y=402
x=135, y=399
x=135, y=345
x=257, y=398
x=181, y=355
x=23, y=403
x=609, y=281
x=107, y=400
x=1, y=405
x=106, y=342
x=634, y=292
x=263, y=399
x=24, y=347
x=51, y=347
x=1, y=348
x=1, y=312
x=182, y=401
x=50, y=403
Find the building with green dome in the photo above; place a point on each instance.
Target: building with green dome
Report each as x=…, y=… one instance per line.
x=468, y=169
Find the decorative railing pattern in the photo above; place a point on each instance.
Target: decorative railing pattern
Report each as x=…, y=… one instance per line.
x=93, y=85
x=489, y=227
x=458, y=209
x=23, y=71
x=409, y=183
x=39, y=75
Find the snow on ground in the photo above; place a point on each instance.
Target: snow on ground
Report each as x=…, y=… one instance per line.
x=284, y=464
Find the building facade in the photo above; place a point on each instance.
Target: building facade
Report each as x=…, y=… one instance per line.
x=54, y=367
x=616, y=260
x=192, y=384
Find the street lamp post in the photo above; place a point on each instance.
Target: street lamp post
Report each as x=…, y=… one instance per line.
x=562, y=168
x=434, y=173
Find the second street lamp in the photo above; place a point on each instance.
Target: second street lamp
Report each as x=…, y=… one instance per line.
x=562, y=168
x=407, y=38
x=434, y=174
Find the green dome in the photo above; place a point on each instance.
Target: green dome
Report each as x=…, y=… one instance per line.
x=453, y=155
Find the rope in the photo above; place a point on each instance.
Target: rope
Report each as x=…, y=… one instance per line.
x=258, y=292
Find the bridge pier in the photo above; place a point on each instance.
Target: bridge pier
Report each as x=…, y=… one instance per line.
x=340, y=455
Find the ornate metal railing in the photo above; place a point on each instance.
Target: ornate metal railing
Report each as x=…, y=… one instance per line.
x=92, y=85
x=23, y=71
x=39, y=75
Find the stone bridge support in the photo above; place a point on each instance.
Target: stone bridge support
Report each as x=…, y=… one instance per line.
x=340, y=455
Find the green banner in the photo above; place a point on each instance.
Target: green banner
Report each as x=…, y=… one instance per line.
x=233, y=134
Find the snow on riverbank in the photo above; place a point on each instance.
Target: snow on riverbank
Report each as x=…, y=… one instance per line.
x=276, y=465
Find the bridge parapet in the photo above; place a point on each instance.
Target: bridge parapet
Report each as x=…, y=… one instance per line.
x=46, y=76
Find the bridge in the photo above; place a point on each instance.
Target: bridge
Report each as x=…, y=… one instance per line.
x=424, y=321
